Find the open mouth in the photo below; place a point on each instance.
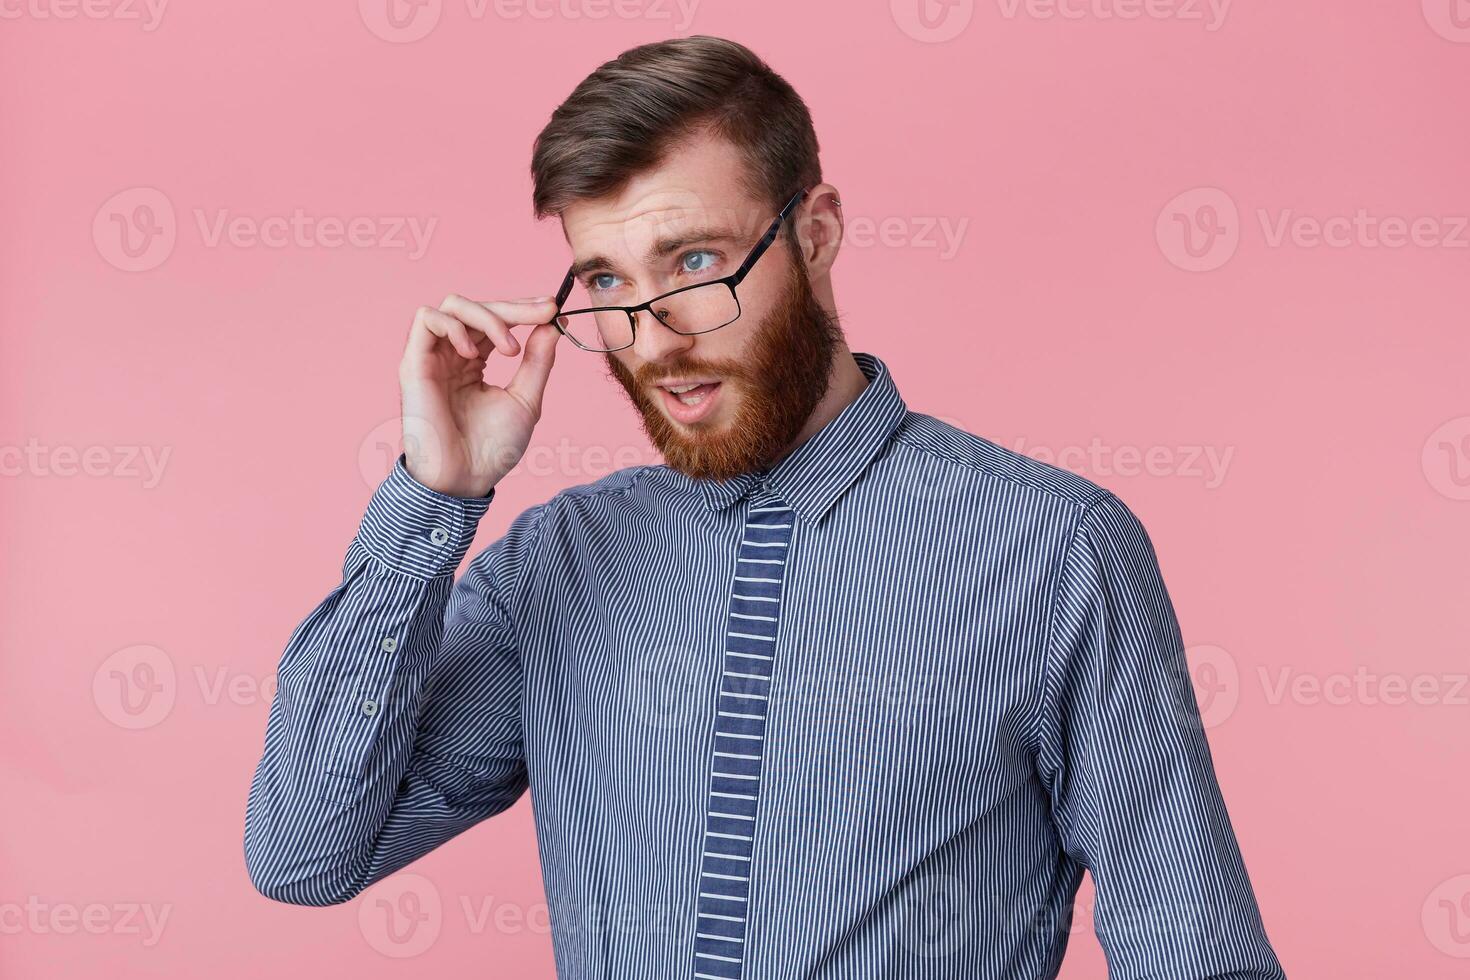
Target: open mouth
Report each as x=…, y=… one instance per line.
x=690, y=401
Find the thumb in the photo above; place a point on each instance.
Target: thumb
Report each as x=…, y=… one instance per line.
x=529, y=382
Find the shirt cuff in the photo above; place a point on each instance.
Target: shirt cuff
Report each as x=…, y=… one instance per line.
x=416, y=530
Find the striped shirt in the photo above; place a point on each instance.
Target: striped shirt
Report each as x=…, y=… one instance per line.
x=870, y=713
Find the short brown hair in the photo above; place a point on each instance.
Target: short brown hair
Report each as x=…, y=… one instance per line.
x=623, y=118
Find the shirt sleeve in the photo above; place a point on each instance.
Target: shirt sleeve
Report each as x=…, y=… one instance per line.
x=395, y=725
x=1124, y=758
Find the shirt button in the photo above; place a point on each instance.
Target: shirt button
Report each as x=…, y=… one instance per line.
x=389, y=644
x=370, y=707
x=438, y=535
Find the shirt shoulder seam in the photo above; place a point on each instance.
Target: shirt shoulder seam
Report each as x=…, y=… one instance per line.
x=1082, y=502
x=1076, y=531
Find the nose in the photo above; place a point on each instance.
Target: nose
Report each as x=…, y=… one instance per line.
x=654, y=341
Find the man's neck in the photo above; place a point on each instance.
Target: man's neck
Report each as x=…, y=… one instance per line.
x=845, y=382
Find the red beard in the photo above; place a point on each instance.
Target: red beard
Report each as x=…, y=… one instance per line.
x=780, y=380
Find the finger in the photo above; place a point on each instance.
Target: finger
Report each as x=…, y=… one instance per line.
x=529, y=382
x=434, y=324
x=516, y=312
x=423, y=335
x=476, y=315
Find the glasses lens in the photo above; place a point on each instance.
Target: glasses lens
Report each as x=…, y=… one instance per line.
x=696, y=310
x=699, y=309
x=603, y=330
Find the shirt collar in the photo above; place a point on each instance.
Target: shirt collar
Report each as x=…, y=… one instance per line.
x=812, y=478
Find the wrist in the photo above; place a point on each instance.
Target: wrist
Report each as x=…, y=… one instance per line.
x=417, y=529
x=468, y=488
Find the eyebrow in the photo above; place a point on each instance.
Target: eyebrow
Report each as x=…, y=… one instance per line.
x=659, y=249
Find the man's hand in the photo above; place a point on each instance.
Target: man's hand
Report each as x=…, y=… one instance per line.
x=461, y=435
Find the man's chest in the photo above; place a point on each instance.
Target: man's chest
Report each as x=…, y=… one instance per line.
x=881, y=669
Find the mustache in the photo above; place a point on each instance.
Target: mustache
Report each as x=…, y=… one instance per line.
x=649, y=375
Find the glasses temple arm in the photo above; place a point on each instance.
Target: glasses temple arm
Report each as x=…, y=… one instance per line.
x=770, y=236
x=565, y=290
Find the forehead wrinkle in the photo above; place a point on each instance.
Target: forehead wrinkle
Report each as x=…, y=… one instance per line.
x=694, y=236
x=660, y=248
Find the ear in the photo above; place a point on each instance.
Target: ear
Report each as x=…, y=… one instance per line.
x=818, y=228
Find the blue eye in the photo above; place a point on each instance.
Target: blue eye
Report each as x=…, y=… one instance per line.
x=697, y=266
x=598, y=284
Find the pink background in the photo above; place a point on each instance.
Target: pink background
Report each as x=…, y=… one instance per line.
x=1287, y=411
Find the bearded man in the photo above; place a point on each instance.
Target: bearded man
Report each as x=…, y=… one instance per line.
x=836, y=690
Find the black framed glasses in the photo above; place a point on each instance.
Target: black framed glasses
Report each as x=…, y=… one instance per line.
x=698, y=308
